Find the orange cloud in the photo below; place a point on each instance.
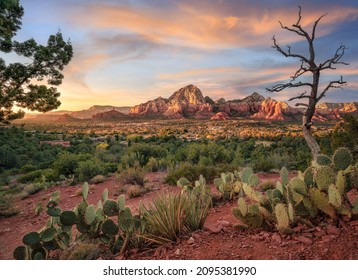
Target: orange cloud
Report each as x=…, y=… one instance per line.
x=208, y=28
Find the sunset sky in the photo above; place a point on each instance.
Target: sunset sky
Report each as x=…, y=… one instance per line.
x=129, y=51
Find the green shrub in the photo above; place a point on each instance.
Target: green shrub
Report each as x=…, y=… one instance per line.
x=27, y=168
x=66, y=164
x=88, y=169
x=30, y=177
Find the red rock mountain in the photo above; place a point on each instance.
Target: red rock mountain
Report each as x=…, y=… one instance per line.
x=186, y=102
x=190, y=102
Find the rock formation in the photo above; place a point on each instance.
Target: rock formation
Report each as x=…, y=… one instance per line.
x=221, y=116
x=110, y=115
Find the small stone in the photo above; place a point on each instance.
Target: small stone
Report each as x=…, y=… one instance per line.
x=225, y=223
x=276, y=238
x=191, y=241
x=213, y=229
x=177, y=252
x=256, y=237
x=304, y=240
x=332, y=230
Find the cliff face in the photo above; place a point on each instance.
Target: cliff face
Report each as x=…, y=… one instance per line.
x=190, y=102
x=271, y=109
x=186, y=102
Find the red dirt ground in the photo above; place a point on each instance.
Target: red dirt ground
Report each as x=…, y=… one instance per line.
x=218, y=240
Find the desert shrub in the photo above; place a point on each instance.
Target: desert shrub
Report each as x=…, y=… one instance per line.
x=81, y=251
x=97, y=179
x=132, y=176
x=136, y=190
x=30, y=177
x=155, y=164
x=30, y=190
x=192, y=172
x=6, y=207
x=88, y=169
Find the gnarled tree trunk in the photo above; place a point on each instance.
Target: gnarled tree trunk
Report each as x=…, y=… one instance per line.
x=311, y=141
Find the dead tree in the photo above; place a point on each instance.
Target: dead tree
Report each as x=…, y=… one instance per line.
x=309, y=66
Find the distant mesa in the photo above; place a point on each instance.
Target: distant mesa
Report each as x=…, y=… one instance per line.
x=66, y=118
x=110, y=115
x=89, y=113
x=221, y=116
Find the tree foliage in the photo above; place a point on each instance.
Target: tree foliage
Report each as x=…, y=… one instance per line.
x=44, y=64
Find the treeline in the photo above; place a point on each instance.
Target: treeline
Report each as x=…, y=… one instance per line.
x=24, y=159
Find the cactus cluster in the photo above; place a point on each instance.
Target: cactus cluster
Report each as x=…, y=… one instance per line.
x=228, y=185
x=92, y=222
x=321, y=189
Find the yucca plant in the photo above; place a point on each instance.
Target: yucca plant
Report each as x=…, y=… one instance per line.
x=164, y=217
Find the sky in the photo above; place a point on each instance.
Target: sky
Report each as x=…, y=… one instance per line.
x=129, y=51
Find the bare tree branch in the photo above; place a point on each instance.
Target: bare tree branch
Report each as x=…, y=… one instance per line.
x=280, y=87
x=302, y=104
x=335, y=59
x=302, y=95
x=332, y=84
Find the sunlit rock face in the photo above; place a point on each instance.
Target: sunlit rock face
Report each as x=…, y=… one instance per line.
x=271, y=109
x=186, y=102
x=221, y=116
x=189, y=102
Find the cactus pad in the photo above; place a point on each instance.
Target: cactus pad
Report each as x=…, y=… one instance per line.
x=323, y=160
x=320, y=200
x=32, y=238
x=334, y=196
x=110, y=208
x=342, y=158
x=282, y=217
x=48, y=234
x=253, y=180
x=20, y=253
x=245, y=174
x=90, y=214
x=308, y=176
x=68, y=218
x=284, y=176
x=109, y=227
x=325, y=176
